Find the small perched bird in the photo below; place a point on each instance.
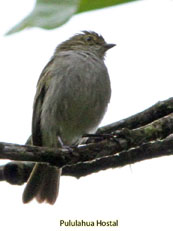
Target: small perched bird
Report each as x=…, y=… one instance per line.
x=72, y=95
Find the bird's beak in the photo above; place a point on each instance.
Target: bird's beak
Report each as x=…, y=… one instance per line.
x=109, y=46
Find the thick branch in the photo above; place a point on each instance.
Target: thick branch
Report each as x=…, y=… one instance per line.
x=62, y=157
x=146, y=151
x=57, y=157
x=157, y=111
x=127, y=146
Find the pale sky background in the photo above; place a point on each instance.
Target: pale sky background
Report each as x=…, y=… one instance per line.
x=141, y=72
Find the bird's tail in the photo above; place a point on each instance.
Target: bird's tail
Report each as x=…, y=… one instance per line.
x=43, y=184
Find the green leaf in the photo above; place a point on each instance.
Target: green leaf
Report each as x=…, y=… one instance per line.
x=86, y=5
x=49, y=14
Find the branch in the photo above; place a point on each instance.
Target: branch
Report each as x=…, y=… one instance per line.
x=144, y=152
x=157, y=111
x=143, y=136
x=18, y=173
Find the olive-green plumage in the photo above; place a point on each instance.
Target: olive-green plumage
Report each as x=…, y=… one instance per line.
x=72, y=95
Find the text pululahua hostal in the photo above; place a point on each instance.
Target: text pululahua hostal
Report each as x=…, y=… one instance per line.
x=84, y=223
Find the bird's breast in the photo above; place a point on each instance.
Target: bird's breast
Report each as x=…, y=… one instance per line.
x=76, y=102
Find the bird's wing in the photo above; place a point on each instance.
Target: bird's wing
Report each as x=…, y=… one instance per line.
x=42, y=87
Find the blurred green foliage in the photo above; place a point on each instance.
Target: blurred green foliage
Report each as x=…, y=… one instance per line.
x=49, y=14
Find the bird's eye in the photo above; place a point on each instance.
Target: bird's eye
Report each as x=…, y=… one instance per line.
x=89, y=38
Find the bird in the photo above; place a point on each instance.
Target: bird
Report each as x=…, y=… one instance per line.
x=72, y=96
